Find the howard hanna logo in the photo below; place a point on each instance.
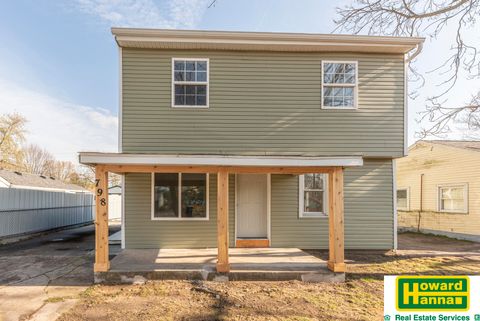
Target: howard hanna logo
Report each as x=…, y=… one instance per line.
x=432, y=293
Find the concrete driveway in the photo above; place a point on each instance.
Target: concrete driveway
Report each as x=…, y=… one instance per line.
x=40, y=277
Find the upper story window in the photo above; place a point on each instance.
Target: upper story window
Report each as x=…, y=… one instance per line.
x=312, y=195
x=339, y=84
x=190, y=82
x=453, y=198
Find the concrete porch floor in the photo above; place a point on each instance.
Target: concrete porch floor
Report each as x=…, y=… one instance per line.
x=255, y=264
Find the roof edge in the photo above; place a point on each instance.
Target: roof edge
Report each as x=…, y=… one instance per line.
x=187, y=39
x=89, y=158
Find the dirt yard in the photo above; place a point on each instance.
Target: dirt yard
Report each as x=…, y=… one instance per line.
x=359, y=298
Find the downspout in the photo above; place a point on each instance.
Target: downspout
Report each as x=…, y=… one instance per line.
x=421, y=203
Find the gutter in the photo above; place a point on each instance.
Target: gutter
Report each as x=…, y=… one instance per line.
x=417, y=51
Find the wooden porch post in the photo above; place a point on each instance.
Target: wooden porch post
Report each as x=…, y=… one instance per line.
x=336, y=261
x=222, y=222
x=102, y=264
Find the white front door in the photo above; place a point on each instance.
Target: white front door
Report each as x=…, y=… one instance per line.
x=252, y=198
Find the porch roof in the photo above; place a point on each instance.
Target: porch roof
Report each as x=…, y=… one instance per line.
x=90, y=158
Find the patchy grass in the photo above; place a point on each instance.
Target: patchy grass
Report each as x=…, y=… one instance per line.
x=359, y=298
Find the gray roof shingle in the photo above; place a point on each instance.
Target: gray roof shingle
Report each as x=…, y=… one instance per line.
x=37, y=181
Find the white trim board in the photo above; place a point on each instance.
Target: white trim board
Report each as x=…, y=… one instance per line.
x=216, y=160
x=269, y=41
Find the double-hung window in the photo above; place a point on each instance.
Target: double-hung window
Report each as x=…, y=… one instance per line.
x=403, y=199
x=312, y=195
x=453, y=198
x=339, y=84
x=179, y=196
x=190, y=82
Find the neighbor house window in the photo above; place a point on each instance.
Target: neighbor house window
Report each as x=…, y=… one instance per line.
x=453, y=198
x=190, y=82
x=339, y=84
x=312, y=196
x=403, y=199
x=179, y=196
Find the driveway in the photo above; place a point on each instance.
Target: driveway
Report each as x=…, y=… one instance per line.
x=40, y=277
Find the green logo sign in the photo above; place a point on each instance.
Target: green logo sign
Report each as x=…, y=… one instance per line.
x=432, y=293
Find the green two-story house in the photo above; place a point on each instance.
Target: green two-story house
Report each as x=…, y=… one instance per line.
x=246, y=139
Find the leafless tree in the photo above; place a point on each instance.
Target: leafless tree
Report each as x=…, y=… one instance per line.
x=428, y=18
x=62, y=170
x=12, y=135
x=36, y=159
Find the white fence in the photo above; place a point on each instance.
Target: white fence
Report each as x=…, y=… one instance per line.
x=26, y=211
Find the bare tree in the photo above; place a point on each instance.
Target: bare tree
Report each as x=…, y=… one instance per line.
x=427, y=18
x=12, y=135
x=62, y=170
x=36, y=160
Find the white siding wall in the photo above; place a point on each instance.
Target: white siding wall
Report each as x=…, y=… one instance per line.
x=25, y=211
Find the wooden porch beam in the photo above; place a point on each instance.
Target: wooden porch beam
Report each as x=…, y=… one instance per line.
x=223, y=264
x=336, y=261
x=294, y=170
x=102, y=263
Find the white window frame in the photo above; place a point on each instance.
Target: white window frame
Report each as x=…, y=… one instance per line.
x=179, y=218
x=408, y=198
x=207, y=83
x=465, y=198
x=355, y=85
x=301, y=199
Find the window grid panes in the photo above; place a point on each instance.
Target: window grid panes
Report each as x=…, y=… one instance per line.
x=313, y=194
x=339, y=84
x=452, y=198
x=180, y=196
x=190, y=79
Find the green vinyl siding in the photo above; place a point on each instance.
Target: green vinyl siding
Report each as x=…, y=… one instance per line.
x=143, y=232
x=368, y=214
x=262, y=103
x=368, y=211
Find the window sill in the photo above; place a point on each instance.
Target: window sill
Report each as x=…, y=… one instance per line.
x=339, y=108
x=452, y=212
x=190, y=106
x=313, y=215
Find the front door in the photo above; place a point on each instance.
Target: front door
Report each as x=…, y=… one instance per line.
x=252, y=198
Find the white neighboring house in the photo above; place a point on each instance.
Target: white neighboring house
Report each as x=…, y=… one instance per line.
x=115, y=202
x=32, y=203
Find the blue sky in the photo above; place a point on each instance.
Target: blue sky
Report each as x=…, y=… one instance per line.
x=59, y=61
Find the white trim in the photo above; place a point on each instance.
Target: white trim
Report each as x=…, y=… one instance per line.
x=122, y=211
x=179, y=210
x=405, y=109
x=4, y=182
x=408, y=198
x=235, y=210
x=269, y=41
x=206, y=83
x=216, y=160
x=301, y=199
x=395, y=211
x=269, y=207
x=120, y=99
x=355, y=85
x=50, y=189
x=465, y=198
